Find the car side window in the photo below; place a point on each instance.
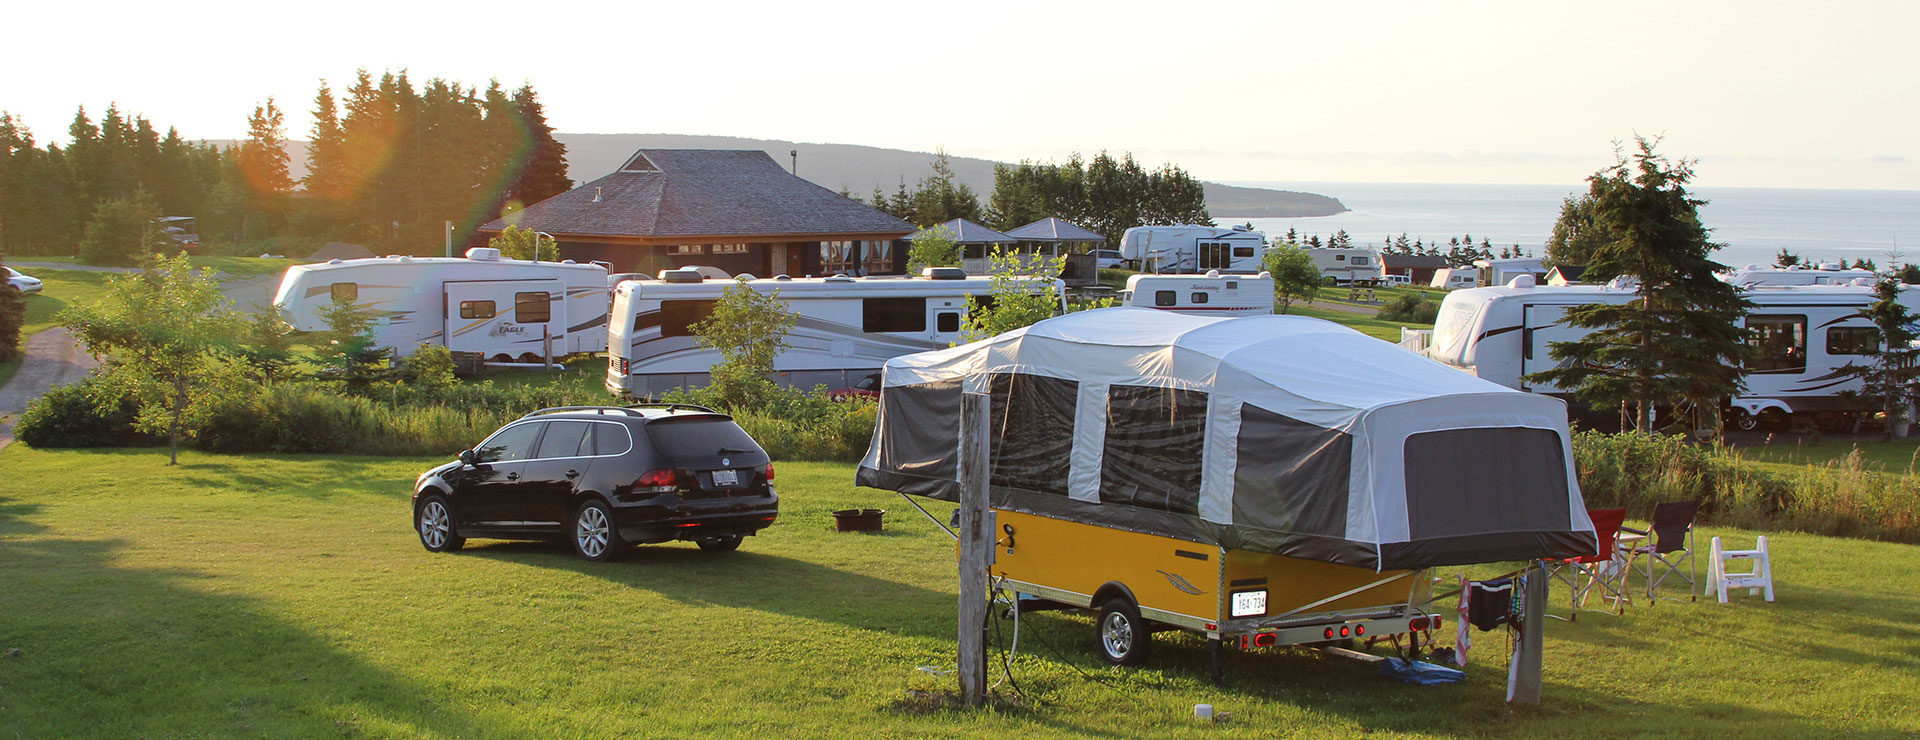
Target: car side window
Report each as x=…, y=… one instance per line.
x=607, y=439
x=513, y=443
x=563, y=439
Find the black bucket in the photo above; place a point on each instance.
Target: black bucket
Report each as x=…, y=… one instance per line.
x=858, y=520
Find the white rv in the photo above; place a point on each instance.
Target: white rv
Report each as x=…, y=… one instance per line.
x=1346, y=265
x=1193, y=249
x=1501, y=271
x=1829, y=273
x=1454, y=278
x=1212, y=294
x=846, y=328
x=502, y=309
x=1804, y=336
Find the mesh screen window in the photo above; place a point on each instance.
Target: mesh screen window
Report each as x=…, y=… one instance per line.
x=1153, y=447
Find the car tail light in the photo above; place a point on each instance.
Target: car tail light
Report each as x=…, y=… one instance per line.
x=664, y=480
x=769, y=472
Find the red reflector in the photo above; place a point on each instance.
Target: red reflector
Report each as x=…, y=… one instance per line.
x=1344, y=631
x=1329, y=633
x=769, y=472
x=1265, y=639
x=1211, y=627
x=1360, y=630
x=688, y=524
x=1418, y=623
x=1436, y=624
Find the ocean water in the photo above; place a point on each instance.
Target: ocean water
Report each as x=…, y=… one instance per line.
x=1753, y=223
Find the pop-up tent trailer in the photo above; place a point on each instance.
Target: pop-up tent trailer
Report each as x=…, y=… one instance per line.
x=1235, y=476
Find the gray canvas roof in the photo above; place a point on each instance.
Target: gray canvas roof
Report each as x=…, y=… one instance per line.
x=1052, y=229
x=967, y=232
x=701, y=192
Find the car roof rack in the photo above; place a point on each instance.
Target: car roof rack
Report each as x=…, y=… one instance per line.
x=673, y=407
x=595, y=409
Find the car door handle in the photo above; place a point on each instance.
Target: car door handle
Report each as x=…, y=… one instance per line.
x=513, y=476
x=573, y=474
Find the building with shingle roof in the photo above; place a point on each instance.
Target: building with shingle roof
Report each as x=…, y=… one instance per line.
x=1052, y=230
x=737, y=210
x=1419, y=268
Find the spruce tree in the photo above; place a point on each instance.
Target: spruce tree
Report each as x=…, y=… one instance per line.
x=1893, y=366
x=543, y=173
x=1680, y=341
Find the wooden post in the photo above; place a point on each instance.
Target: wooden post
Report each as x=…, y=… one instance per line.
x=546, y=342
x=976, y=544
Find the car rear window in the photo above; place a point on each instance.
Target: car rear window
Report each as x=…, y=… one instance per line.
x=699, y=440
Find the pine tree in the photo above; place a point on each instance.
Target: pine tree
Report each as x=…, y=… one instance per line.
x=1786, y=259
x=263, y=162
x=328, y=183
x=544, y=170
x=1679, y=342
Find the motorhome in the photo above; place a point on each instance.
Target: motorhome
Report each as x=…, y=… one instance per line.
x=846, y=327
x=1496, y=272
x=1345, y=265
x=1455, y=278
x=1193, y=249
x=1804, y=336
x=1260, y=481
x=502, y=309
x=1212, y=294
x=1829, y=273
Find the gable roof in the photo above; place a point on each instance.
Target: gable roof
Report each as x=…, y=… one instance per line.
x=1569, y=272
x=1052, y=229
x=1414, y=260
x=967, y=232
x=701, y=192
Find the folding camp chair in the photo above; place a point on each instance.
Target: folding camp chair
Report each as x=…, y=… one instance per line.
x=1605, y=570
x=1672, y=533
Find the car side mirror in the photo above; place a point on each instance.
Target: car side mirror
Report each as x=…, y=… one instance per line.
x=466, y=457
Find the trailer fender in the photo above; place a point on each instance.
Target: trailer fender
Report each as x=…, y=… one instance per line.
x=1112, y=589
x=1753, y=406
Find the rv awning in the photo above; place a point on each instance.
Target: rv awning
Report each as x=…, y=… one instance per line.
x=1279, y=434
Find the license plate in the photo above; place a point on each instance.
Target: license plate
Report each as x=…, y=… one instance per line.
x=726, y=478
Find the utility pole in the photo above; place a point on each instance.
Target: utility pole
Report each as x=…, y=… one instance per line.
x=976, y=546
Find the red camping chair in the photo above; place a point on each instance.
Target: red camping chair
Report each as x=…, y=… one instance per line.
x=1605, y=570
x=1672, y=533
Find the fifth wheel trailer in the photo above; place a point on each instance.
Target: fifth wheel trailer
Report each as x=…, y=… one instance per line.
x=1804, y=336
x=1191, y=248
x=502, y=309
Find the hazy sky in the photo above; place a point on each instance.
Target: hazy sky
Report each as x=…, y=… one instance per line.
x=1762, y=93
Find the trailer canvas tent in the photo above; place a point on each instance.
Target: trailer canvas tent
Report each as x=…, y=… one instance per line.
x=1274, y=434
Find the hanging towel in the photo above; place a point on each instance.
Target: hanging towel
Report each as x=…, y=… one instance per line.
x=1462, y=638
x=1490, y=603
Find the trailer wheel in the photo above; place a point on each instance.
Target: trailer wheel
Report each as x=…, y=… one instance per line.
x=1743, y=421
x=1123, y=637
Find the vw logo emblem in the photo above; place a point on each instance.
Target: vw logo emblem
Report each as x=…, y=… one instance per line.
x=726, y=461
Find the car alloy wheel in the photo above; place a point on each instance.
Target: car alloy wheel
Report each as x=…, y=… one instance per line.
x=435, y=525
x=592, y=532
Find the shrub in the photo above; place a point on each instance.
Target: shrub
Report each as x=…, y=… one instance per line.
x=69, y=417
x=13, y=313
x=1411, y=307
x=121, y=231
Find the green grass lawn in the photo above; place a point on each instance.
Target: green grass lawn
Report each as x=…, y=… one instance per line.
x=1372, y=326
x=286, y=597
x=1898, y=456
x=230, y=265
x=61, y=289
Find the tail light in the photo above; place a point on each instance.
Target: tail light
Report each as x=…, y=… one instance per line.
x=1265, y=639
x=1359, y=629
x=769, y=472
x=664, y=480
x=1345, y=631
x=1416, y=624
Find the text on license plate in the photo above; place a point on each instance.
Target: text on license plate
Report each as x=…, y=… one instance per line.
x=726, y=478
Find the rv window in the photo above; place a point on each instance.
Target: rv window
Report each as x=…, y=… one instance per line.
x=946, y=322
x=346, y=291
x=1164, y=298
x=532, y=307
x=564, y=438
x=1243, y=251
x=1780, y=341
x=1359, y=260
x=1198, y=297
x=1031, y=444
x=677, y=317
x=1153, y=447
x=476, y=309
x=893, y=314
x=1215, y=256
x=1339, y=258
x=1852, y=340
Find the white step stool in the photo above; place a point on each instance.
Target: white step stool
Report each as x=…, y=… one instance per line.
x=1719, y=581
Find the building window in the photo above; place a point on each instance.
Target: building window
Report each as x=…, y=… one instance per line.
x=683, y=249
x=678, y=317
x=534, y=307
x=346, y=291
x=729, y=249
x=1781, y=341
x=837, y=257
x=476, y=309
x=1852, y=340
x=893, y=315
x=1164, y=298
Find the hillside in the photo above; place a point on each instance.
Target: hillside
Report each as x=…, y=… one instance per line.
x=859, y=169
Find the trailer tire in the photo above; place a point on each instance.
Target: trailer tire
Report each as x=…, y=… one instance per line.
x=1122, y=637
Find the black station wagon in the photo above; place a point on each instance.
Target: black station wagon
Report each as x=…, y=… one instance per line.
x=602, y=478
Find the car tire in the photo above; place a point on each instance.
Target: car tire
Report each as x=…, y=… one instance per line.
x=726, y=543
x=593, y=533
x=1121, y=636
x=433, y=521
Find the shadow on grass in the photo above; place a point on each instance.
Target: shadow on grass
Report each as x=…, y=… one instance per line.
x=108, y=650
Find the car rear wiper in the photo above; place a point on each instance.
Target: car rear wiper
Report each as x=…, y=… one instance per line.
x=732, y=450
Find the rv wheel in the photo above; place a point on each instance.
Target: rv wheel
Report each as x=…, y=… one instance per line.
x=1123, y=635
x=1744, y=421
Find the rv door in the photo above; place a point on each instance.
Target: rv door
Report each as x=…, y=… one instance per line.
x=1543, y=325
x=505, y=317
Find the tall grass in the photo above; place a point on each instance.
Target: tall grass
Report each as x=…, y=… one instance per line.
x=1846, y=497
